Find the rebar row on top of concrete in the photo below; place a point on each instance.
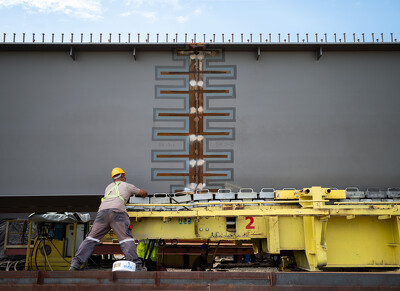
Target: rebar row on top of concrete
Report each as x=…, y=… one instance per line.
x=204, y=38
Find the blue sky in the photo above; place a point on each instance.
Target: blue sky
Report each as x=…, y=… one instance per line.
x=200, y=17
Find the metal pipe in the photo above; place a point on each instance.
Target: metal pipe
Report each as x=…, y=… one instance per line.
x=42, y=37
x=129, y=37
x=33, y=37
x=101, y=36
x=14, y=37
x=72, y=37
x=326, y=38
x=91, y=37
x=119, y=37
x=23, y=37
x=241, y=37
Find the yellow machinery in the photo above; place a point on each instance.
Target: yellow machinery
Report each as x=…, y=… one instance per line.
x=321, y=227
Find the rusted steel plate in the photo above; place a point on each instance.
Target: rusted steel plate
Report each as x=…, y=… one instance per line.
x=110, y=281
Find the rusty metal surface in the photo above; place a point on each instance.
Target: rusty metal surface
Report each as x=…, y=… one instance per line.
x=107, y=280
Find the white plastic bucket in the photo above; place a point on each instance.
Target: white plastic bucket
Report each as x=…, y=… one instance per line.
x=124, y=266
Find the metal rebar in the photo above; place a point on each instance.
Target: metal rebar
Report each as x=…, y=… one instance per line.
x=148, y=37
x=23, y=37
x=204, y=37
x=269, y=37
x=223, y=38
x=157, y=38
x=72, y=37
x=91, y=37
x=382, y=37
x=279, y=37
x=81, y=37
x=344, y=37
x=354, y=37
x=241, y=37
x=101, y=37
x=185, y=37
x=42, y=37
x=109, y=40
x=335, y=36
x=232, y=37
x=119, y=37
x=307, y=37
x=316, y=37
x=391, y=37
x=260, y=37
x=176, y=37
x=14, y=37
x=33, y=37
x=288, y=37
x=4, y=37
x=194, y=37
x=326, y=37
x=373, y=37
x=363, y=37
x=138, y=37
x=213, y=37
x=166, y=37
x=251, y=37
x=129, y=37
x=297, y=37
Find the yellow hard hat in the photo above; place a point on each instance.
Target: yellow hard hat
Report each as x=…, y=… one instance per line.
x=117, y=171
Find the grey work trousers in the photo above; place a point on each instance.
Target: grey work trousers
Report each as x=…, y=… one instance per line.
x=105, y=220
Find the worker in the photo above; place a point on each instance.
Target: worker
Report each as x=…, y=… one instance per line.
x=147, y=250
x=200, y=263
x=112, y=214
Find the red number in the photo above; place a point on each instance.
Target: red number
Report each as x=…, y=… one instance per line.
x=250, y=225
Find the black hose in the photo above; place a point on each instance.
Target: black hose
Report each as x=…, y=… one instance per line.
x=31, y=255
x=59, y=252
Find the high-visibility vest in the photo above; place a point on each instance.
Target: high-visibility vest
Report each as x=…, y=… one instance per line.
x=116, y=188
x=148, y=249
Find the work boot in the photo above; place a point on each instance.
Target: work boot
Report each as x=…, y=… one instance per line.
x=141, y=269
x=74, y=268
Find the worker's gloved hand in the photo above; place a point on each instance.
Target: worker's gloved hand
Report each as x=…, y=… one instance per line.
x=142, y=193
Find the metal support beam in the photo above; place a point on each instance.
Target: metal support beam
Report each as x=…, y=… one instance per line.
x=319, y=53
x=134, y=53
x=258, y=53
x=72, y=53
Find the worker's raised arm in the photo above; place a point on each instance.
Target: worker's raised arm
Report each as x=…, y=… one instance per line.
x=142, y=193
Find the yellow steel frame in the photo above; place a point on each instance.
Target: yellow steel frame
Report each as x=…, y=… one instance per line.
x=320, y=235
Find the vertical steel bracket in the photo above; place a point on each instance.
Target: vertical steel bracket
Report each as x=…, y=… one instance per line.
x=319, y=53
x=72, y=53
